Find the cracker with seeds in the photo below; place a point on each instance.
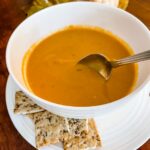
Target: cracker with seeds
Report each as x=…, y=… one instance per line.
x=49, y=128
x=87, y=140
x=24, y=105
x=77, y=126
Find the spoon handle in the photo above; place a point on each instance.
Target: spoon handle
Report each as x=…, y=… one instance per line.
x=131, y=59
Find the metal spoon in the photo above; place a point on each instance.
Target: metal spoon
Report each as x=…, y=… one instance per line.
x=102, y=65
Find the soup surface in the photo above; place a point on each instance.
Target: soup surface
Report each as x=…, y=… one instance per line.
x=50, y=68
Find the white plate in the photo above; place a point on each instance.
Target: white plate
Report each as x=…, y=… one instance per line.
x=124, y=129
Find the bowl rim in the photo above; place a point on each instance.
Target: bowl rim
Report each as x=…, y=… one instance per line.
x=40, y=100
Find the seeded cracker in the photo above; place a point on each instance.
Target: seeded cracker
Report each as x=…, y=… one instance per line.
x=49, y=128
x=77, y=126
x=76, y=134
x=24, y=105
x=90, y=140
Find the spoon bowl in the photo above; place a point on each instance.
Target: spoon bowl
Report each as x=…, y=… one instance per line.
x=98, y=63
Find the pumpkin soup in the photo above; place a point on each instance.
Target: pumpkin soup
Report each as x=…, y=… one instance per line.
x=50, y=68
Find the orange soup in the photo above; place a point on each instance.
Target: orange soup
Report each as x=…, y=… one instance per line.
x=50, y=68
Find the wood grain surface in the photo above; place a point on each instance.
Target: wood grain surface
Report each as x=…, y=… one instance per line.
x=10, y=16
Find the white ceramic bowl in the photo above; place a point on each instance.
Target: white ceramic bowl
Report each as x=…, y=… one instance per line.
x=51, y=19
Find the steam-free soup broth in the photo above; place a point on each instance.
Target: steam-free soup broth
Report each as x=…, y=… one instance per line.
x=50, y=68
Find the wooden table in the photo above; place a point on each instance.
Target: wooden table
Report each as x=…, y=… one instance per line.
x=10, y=16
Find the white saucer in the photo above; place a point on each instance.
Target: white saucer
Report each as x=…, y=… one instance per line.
x=124, y=129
